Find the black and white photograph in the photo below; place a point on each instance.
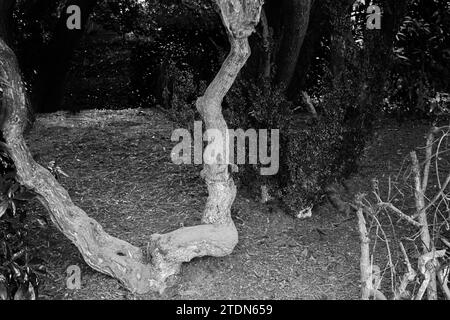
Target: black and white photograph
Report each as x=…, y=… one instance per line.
x=228, y=157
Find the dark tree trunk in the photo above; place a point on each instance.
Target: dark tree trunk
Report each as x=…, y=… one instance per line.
x=341, y=37
x=266, y=65
x=309, y=48
x=48, y=89
x=295, y=20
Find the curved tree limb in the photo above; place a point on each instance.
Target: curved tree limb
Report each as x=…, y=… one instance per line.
x=137, y=270
x=239, y=18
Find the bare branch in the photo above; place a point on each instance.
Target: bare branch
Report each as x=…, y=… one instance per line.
x=436, y=197
x=427, y=244
x=429, y=151
x=443, y=280
x=402, y=215
x=364, y=264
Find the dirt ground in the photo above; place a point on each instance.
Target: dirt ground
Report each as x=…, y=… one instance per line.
x=120, y=173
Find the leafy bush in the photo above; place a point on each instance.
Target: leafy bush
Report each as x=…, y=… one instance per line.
x=314, y=153
x=323, y=151
x=348, y=92
x=99, y=75
x=311, y=161
x=19, y=269
x=168, y=64
x=421, y=70
x=183, y=94
x=169, y=71
x=256, y=104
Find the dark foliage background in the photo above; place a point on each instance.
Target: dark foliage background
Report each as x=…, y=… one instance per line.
x=163, y=54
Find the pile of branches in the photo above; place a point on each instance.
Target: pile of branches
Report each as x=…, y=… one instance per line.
x=427, y=225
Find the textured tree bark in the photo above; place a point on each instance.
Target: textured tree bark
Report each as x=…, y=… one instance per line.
x=101, y=251
x=239, y=18
x=139, y=270
x=427, y=241
x=267, y=61
x=370, y=274
x=364, y=260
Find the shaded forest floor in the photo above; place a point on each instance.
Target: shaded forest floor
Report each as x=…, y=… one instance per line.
x=121, y=174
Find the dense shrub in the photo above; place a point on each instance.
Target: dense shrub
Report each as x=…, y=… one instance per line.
x=257, y=105
x=168, y=64
x=99, y=75
x=180, y=97
x=323, y=151
x=310, y=161
x=421, y=70
x=168, y=70
x=19, y=265
x=313, y=152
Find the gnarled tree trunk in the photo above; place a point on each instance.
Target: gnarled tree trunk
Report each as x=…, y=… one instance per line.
x=138, y=270
x=239, y=18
